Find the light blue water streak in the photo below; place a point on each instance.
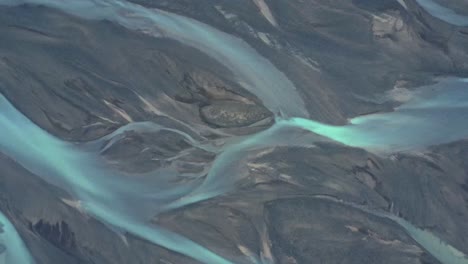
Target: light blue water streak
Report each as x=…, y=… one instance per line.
x=253, y=72
x=111, y=197
x=119, y=201
x=12, y=248
x=443, y=13
x=435, y=115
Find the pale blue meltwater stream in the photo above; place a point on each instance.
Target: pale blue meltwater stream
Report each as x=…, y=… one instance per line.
x=433, y=115
x=12, y=248
x=443, y=13
x=254, y=72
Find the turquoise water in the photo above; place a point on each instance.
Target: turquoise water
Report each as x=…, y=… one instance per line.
x=434, y=115
x=442, y=251
x=12, y=248
x=115, y=199
x=443, y=13
x=253, y=71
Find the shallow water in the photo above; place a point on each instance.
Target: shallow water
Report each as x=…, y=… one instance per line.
x=111, y=197
x=12, y=248
x=433, y=115
x=105, y=194
x=253, y=72
x=442, y=251
x=443, y=13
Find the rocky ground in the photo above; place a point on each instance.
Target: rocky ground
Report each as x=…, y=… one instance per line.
x=82, y=79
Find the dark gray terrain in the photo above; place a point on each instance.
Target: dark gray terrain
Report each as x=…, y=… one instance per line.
x=156, y=109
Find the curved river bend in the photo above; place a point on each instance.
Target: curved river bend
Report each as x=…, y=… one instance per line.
x=254, y=72
x=433, y=115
